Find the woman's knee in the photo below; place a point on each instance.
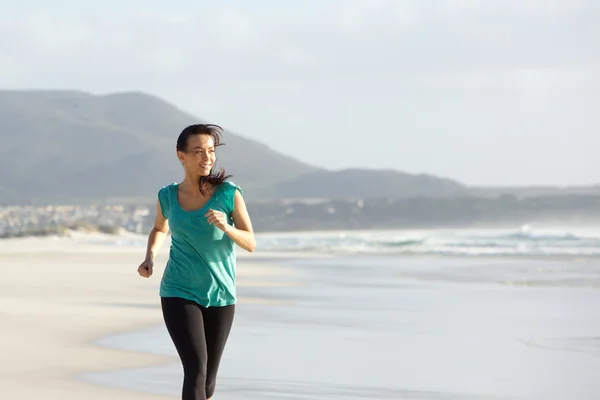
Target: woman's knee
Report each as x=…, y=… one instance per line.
x=195, y=368
x=210, y=390
x=211, y=384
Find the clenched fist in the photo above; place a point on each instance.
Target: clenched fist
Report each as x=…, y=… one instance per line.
x=145, y=268
x=218, y=219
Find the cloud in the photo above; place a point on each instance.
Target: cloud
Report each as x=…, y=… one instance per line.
x=358, y=16
x=145, y=42
x=232, y=29
x=462, y=4
x=297, y=58
x=528, y=81
x=472, y=48
x=11, y=69
x=552, y=8
x=39, y=31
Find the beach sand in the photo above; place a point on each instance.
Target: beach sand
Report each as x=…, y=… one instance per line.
x=77, y=322
x=56, y=297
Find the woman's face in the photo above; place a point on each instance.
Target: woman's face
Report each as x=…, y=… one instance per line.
x=199, y=157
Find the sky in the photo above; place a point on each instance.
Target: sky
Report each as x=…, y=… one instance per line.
x=485, y=92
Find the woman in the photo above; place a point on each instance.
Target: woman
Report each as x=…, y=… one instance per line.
x=207, y=217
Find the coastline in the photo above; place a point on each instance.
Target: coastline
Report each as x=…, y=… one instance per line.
x=59, y=297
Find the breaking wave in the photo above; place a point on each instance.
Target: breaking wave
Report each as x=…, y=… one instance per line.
x=523, y=241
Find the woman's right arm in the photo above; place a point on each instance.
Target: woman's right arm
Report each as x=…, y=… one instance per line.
x=157, y=234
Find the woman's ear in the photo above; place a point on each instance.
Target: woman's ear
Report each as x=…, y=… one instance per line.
x=180, y=157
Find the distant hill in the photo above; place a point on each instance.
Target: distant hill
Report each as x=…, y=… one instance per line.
x=363, y=183
x=72, y=146
x=69, y=145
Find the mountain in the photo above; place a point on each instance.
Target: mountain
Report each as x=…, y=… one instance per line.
x=65, y=145
x=70, y=146
x=364, y=183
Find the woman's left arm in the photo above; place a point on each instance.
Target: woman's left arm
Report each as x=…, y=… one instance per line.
x=242, y=233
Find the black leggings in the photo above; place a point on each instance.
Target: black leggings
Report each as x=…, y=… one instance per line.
x=199, y=335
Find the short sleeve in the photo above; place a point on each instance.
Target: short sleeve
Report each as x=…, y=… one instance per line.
x=164, y=200
x=229, y=195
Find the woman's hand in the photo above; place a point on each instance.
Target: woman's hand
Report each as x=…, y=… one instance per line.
x=145, y=268
x=218, y=219
x=241, y=231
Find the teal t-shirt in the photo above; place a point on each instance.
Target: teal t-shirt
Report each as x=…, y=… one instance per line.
x=202, y=259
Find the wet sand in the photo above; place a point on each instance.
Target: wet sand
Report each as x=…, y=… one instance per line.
x=366, y=327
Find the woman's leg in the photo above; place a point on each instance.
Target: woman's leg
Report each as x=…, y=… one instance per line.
x=185, y=324
x=217, y=325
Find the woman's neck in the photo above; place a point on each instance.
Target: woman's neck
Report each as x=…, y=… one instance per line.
x=192, y=185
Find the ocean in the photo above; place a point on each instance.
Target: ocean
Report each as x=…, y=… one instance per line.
x=439, y=314
x=519, y=241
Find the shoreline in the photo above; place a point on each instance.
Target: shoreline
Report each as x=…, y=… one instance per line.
x=78, y=242
x=125, y=361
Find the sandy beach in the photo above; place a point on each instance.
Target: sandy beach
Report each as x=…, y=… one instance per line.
x=57, y=297
x=79, y=323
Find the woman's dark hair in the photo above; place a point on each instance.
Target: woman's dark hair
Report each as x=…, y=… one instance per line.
x=213, y=179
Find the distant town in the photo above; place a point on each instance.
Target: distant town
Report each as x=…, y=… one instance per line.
x=374, y=213
x=18, y=221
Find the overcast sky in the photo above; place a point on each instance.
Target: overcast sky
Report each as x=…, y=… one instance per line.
x=486, y=92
